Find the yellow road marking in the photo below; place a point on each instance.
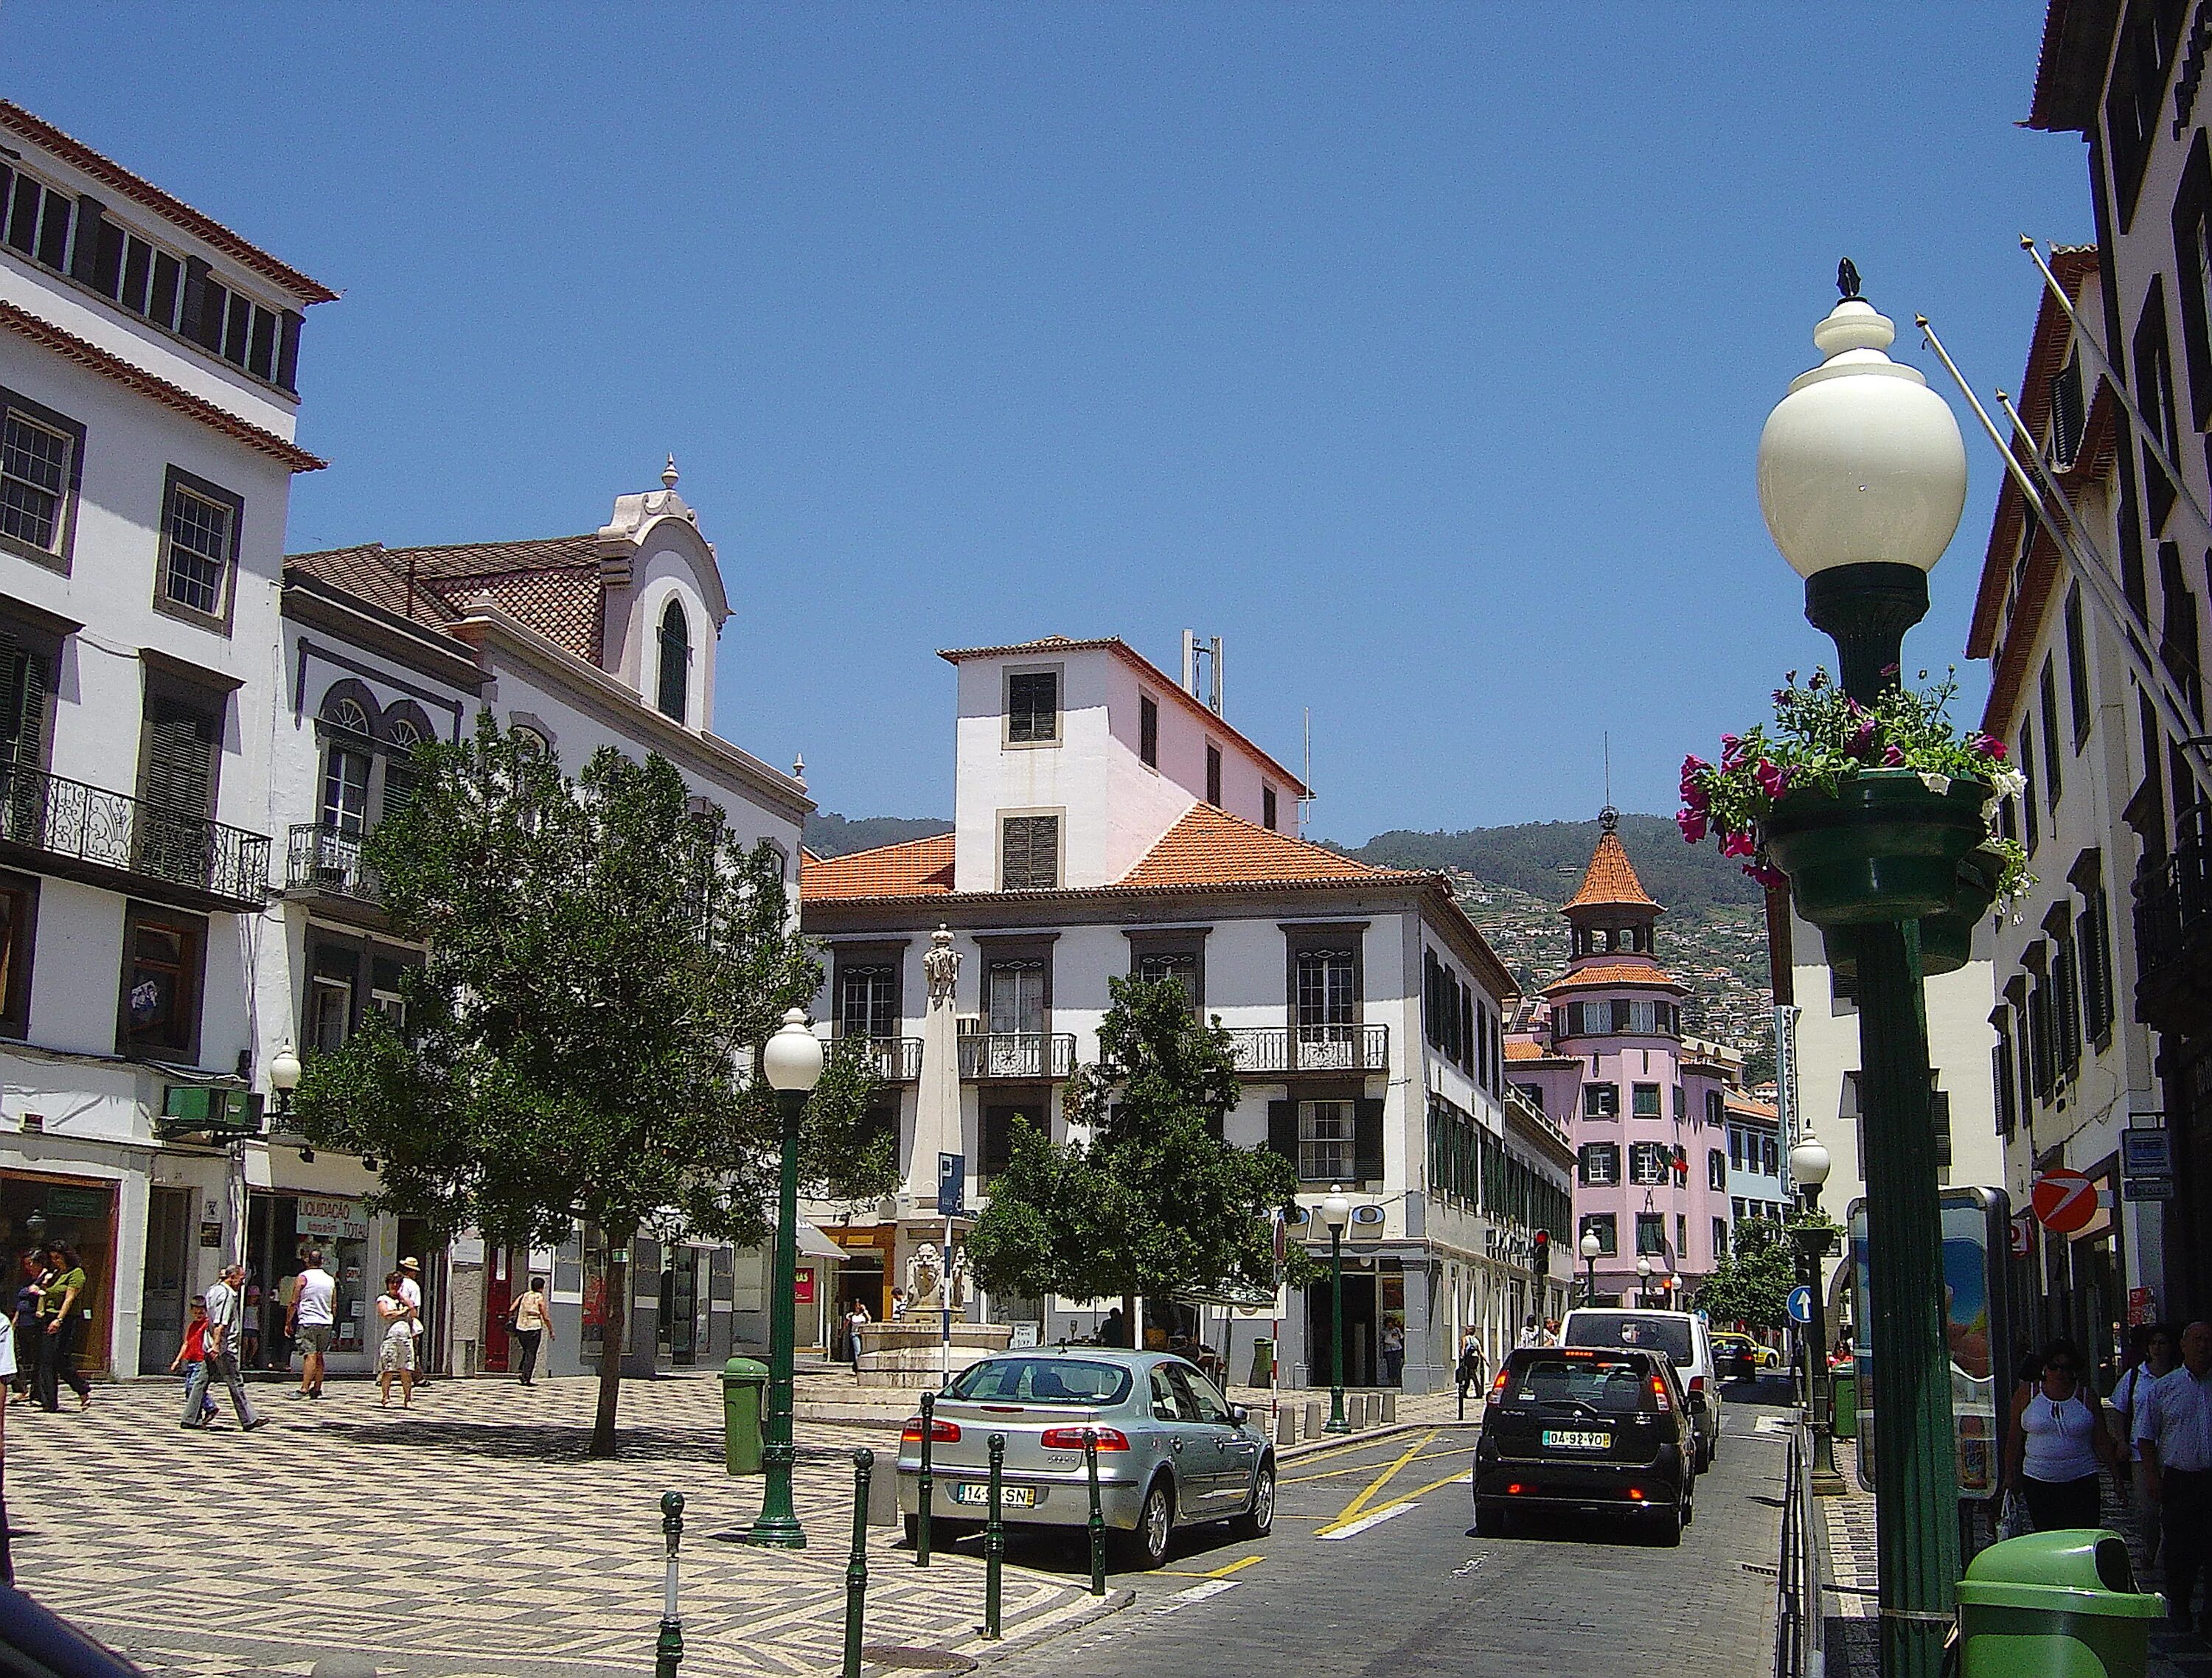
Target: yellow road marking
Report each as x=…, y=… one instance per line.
x=1234, y=1566
x=1332, y=1474
x=1351, y=1510
x=1459, y=1479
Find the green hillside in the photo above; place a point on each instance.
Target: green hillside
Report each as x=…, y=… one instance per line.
x=1545, y=859
x=829, y=834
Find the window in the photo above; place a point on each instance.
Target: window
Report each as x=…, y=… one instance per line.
x=37, y=218
x=867, y=1000
x=1720, y=1238
x=1600, y=1101
x=141, y=277
x=2154, y=395
x=2051, y=759
x=1029, y=852
x=1267, y=808
x=1736, y=1146
x=1148, y=730
x=673, y=698
x=1743, y=1208
x=1602, y=1226
x=176, y=774
x=38, y=474
x=1716, y=1170
x=2068, y=415
x=2176, y=645
x=2077, y=665
x=1646, y=1099
x=1651, y=1233
x=1157, y=966
x=345, y=770
x=19, y=923
x=1013, y=994
x=1326, y=1140
x=1533, y=1094
x=336, y=968
x=159, y=1006
x=387, y=993
x=1648, y=1164
x=2027, y=798
x=199, y=544
x=2000, y=1064
x=1681, y=1232
x=1716, y=1108
x=1600, y=1164
x=1327, y=993
x=1032, y=706
x=243, y=332
x=2093, y=941
x=400, y=775
x=26, y=663
x=1214, y=775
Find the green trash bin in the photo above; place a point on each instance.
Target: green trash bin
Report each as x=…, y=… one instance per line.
x=1843, y=1399
x=1263, y=1363
x=744, y=1387
x=2054, y=1605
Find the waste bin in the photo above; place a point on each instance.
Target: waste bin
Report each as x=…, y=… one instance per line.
x=744, y=1386
x=2054, y=1605
x=1843, y=1399
x=1263, y=1363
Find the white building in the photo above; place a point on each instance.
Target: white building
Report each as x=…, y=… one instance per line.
x=1107, y=822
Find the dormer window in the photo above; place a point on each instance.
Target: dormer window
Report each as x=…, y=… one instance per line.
x=1032, y=706
x=674, y=661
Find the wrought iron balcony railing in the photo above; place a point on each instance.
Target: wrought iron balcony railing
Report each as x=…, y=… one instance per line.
x=1282, y=1050
x=320, y=857
x=987, y=1054
x=112, y=833
x=895, y=1060
x=2173, y=922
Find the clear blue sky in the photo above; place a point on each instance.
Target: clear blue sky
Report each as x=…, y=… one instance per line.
x=1419, y=351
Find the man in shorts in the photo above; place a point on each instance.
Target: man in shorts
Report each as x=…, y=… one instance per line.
x=312, y=1321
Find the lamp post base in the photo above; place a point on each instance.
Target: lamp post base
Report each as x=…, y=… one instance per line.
x=777, y=1526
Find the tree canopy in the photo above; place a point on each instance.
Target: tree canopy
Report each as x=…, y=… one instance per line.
x=1752, y=1281
x=603, y=961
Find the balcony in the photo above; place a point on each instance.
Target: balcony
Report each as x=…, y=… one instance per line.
x=894, y=1060
x=320, y=857
x=2174, y=933
x=1291, y=1051
x=59, y=826
x=1016, y=1055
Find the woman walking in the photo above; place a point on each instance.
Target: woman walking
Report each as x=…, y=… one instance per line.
x=60, y=1320
x=395, y=1352
x=531, y=1322
x=2056, y=1443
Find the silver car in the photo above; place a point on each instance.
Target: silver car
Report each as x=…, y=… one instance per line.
x=1172, y=1451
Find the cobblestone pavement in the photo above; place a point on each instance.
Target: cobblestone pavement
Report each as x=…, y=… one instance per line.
x=471, y=1536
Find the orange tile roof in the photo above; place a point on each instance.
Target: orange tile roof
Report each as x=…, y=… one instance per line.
x=918, y=868
x=1517, y=1050
x=551, y=585
x=1630, y=972
x=1210, y=847
x=1610, y=878
x=1749, y=1106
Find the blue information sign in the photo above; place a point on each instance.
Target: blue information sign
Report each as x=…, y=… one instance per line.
x=1801, y=1304
x=951, y=1185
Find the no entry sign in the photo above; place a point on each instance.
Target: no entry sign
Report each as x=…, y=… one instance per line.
x=2064, y=1201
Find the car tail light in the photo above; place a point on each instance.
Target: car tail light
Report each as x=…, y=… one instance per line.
x=1071, y=1439
x=1635, y=1494
x=1514, y=1490
x=1497, y=1395
x=1697, y=1386
x=1659, y=1392
x=940, y=1432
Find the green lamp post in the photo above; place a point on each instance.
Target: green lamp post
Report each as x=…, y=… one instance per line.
x=1336, y=1213
x=792, y=1061
x=1814, y=1238
x=1862, y=479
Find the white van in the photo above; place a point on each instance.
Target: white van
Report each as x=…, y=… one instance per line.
x=1685, y=1339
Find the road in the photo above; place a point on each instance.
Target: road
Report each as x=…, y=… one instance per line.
x=1371, y=1571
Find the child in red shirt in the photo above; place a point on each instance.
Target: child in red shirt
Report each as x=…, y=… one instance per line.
x=192, y=1359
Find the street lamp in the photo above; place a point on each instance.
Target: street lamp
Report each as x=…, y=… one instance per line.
x=1862, y=477
x=284, y=1071
x=1644, y=1283
x=1591, y=1247
x=791, y=1060
x=1336, y=1213
x=1809, y=1168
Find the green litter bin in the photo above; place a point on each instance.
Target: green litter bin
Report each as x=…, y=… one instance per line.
x=744, y=1384
x=2054, y=1605
x=1843, y=1399
x=1263, y=1363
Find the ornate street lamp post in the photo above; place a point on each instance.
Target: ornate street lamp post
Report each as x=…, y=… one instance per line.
x=1336, y=1213
x=1862, y=477
x=1644, y=1283
x=793, y=1063
x=1591, y=1247
x=1809, y=1168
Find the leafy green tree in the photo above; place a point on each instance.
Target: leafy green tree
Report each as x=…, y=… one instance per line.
x=582, y=1038
x=1145, y=1199
x=1751, y=1284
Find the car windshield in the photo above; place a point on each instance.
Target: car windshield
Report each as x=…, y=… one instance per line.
x=1649, y=1332
x=1041, y=1381
x=1612, y=1382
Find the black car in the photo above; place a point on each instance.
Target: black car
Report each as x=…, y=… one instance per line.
x=1595, y=1429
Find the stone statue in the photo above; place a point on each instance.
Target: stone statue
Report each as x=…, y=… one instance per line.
x=956, y=1279
x=925, y=1280
x=941, y=965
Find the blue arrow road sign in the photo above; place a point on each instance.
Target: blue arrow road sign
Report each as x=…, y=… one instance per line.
x=1801, y=1304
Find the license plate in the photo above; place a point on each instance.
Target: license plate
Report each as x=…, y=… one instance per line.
x=1568, y=1440
x=1009, y=1496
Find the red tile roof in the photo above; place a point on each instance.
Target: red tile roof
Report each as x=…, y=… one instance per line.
x=1610, y=878
x=1210, y=847
x=1633, y=972
x=918, y=868
x=91, y=355
x=1517, y=1050
x=551, y=585
x=1750, y=1106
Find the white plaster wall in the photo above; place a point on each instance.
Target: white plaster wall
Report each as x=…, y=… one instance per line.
x=662, y=572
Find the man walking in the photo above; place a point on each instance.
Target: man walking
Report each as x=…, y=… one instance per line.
x=2174, y=1432
x=410, y=1290
x=312, y=1321
x=226, y=1309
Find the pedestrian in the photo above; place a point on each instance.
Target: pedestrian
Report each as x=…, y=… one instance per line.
x=411, y=1291
x=60, y=1322
x=9, y=1364
x=1394, y=1352
x=899, y=1304
x=395, y=1351
x=1111, y=1331
x=853, y=1320
x=250, y=1336
x=1530, y=1335
x=225, y=1310
x=2174, y=1432
x=31, y=1276
x=1551, y=1335
x=312, y=1320
x=1468, y=1374
x=2150, y=1361
x=190, y=1362
x=2056, y=1443
x=532, y=1320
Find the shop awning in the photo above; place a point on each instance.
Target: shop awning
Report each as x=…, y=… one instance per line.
x=1235, y=1298
x=812, y=1244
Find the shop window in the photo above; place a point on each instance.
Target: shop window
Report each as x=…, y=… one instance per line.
x=163, y=958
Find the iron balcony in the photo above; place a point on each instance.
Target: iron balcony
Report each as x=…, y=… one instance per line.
x=68, y=828
x=1016, y=1055
x=1285, y=1051
x=321, y=857
x=2173, y=932
x=894, y=1060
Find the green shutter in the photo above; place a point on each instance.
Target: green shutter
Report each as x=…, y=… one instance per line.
x=1367, y=1141
x=1283, y=1129
x=180, y=759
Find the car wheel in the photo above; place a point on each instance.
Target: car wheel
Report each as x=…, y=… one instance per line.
x=1258, y=1520
x=1491, y=1520
x=1667, y=1527
x=1147, y=1547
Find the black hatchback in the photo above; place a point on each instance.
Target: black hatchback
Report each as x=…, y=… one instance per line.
x=1598, y=1430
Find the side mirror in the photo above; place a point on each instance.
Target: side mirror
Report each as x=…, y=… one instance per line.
x=1239, y=1414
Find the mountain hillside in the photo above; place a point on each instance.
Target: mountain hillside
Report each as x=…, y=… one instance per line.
x=829, y=834
x=1547, y=858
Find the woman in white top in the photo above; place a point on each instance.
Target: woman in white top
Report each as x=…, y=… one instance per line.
x=2057, y=1443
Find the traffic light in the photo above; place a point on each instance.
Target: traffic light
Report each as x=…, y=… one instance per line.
x=1539, y=1254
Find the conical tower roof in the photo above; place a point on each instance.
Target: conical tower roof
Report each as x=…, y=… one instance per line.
x=1610, y=881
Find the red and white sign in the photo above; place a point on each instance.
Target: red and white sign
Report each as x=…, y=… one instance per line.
x=2142, y=1307
x=2023, y=1236
x=2064, y=1201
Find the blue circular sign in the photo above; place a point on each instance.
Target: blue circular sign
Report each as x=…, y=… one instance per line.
x=1801, y=1304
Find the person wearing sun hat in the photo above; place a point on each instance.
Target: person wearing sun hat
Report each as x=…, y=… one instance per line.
x=410, y=1289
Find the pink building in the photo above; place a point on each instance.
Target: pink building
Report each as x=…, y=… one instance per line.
x=1604, y=1053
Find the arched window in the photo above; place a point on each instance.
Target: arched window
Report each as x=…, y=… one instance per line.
x=345, y=769
x=399, y=772
x=529, y=742
x=675, y=660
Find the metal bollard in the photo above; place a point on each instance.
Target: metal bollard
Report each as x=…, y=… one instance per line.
x=994, y=1540
x=668, y=1654
x=1097, y=1517
x=856, y=1570
x=928, y=1481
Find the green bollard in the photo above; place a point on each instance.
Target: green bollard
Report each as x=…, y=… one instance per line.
x=929, y=1482
x=856, y=1570
x=668, y=1652
x=994, y=1541
x=1098, y=1519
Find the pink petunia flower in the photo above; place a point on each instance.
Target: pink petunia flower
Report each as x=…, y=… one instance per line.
x=1772, y=781
x=1891, y=759
x=1737, y=844
x=1693, y=824
x=1862, y=739
x=1767, y=875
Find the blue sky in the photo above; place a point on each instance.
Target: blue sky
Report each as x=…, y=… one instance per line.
x=1420, y=352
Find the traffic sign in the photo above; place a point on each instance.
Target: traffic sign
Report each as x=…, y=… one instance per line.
x=2064, y=1201
x=951, y=1185
x=1801, y=1304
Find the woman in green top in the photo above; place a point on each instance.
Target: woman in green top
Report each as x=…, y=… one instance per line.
x=61, y=1319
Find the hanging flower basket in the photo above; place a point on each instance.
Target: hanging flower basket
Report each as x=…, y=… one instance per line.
x=1946, y=939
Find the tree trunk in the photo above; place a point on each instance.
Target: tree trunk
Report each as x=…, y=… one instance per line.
x=1129, y=1336
x=613, y=1333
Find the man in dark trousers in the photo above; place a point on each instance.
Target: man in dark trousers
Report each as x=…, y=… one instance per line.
x=2174, y=1431
x=226, y=1309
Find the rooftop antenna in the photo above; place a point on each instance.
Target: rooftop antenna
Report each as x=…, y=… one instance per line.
x=1608, y=748
x=1305, y=775
x=1208, y=650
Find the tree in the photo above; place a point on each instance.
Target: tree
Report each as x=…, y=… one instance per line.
x=582, y=1038
x=1751, y=1283
x=1145, y=1199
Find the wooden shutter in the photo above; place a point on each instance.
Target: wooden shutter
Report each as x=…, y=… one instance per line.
x=1283, y=1129
x=1367, y=1141
x=179, y=758
x=22, y=700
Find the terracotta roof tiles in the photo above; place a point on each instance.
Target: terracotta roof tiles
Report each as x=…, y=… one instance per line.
x=1210, y=847
x=1610, y=878
x=918, y=868
x=1631, y=972
x=552, y=585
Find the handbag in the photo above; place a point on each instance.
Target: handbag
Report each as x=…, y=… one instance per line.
x=2014, y=1522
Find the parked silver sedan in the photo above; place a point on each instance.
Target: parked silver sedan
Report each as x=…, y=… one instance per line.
x=1172, y=1451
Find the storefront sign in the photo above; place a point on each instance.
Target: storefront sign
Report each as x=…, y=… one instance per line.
x=2063, y=1202
x=2142, y=1307
x=2146, y=1153
x=802, y=1288
x=2147, y=1188
x=210, y=1235
x=333, y=1219
x=57, y=1202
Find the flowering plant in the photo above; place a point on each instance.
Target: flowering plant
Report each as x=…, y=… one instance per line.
x=1821, y=737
